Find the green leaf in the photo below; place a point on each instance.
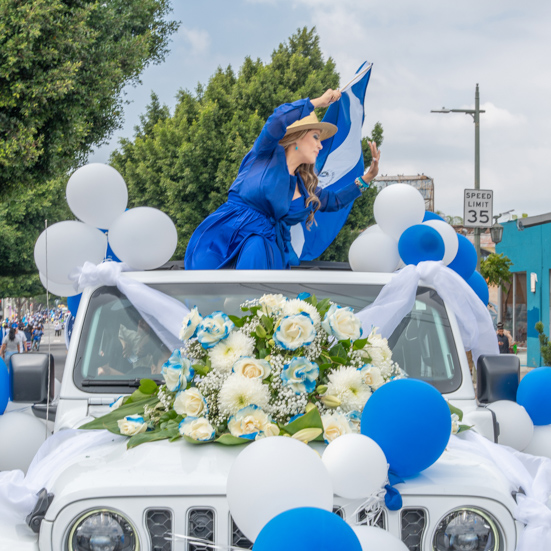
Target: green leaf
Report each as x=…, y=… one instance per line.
x=312, y=419
x=359, y=344
x=455, y=410
x=201, y=369
x=262, y=353
x=260, y=332
x=109, y=421
x=136, y=397
x=268, y=323
x=147, y=386
x=463, y=428
x=338, y=350
x=323, y=306
x=192, y=440
x=339, y=360
x=230, y=440
x=150, y=436
x=239, y=322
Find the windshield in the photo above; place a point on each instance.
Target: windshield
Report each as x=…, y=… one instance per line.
x=120, y=348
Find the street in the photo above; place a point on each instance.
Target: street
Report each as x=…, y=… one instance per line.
x=56, y=347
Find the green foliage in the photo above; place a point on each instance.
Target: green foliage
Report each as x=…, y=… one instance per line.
x=495, y=269
x=63, y=66
x=184, y=164
x=545, y=345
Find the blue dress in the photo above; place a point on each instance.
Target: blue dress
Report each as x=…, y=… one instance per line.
x=251, y=230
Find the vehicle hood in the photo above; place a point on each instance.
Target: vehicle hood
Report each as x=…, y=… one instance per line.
x=180, y=469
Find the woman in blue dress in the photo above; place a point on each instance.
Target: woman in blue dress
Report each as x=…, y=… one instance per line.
x=276, y=188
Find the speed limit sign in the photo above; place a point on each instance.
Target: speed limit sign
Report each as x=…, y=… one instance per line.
x=478, y=208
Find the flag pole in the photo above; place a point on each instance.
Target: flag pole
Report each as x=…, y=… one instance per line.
x=356, y=76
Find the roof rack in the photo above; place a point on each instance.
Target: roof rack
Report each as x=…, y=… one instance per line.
x=304, y=265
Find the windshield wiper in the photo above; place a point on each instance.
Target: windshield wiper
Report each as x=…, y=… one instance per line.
x=134, y=383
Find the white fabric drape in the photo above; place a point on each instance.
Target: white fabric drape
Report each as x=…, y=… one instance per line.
x=162, y=313
x=397, y=299
x=18, y=491
x=531, y=473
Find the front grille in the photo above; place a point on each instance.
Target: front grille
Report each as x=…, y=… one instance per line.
x=159, y=526
x=238, y=539
x=380, y=519
x=201, y=526
x=414, y=522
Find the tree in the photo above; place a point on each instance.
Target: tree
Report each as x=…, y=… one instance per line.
x=495, y=269
x=545, y=345
x=63, y=65
x=184, y=164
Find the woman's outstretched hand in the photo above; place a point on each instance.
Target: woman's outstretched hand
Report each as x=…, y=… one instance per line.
x=374, y=167
x=329, y=97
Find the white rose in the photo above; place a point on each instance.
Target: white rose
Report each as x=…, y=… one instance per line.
x=372, y=376
x=455, y=423
x=197, y=428
x=342, y=323
x=271, y=304
x=190, y=324
x=116, y=403
x=335, y=425
x=252, y=368
x=190, y=403
x=213, y=329
x=132, y=424
x=250, y=422
x=295, y=331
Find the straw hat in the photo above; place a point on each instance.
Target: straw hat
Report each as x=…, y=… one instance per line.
x=311, y=123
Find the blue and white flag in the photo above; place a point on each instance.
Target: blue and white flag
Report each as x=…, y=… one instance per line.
x=339, y=163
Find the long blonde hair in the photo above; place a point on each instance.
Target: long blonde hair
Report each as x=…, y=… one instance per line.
x=308, y=175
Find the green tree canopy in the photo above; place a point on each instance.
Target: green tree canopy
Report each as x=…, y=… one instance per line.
x=495, y=269
x=185, y=163
x=63, y=65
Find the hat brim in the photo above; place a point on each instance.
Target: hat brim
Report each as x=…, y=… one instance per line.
x=327, y=129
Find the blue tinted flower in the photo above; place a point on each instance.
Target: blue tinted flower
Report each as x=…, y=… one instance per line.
x=295, y=331
x=213, y=329
x=300, y=374
x=197, y=428
x=177, y=371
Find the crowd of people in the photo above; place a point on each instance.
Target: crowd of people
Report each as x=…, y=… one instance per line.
x=26, y=335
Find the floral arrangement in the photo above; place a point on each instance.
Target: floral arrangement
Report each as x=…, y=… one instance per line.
x=297, y=367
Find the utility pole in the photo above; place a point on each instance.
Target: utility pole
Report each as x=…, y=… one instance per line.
x=475, y=114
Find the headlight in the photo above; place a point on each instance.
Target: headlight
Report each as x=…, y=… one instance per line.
x=467, y=530
x=103, y=530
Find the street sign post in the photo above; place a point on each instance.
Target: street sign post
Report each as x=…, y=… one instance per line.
x=478, y=208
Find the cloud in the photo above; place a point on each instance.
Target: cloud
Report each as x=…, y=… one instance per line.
x=198, y=39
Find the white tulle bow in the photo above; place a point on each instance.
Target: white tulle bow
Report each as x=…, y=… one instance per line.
x=397, y=299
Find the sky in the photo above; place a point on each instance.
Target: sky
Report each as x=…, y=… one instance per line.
x=426, y=55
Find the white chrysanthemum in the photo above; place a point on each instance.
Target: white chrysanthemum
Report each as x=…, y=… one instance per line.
x=224, y=354
x=238, y=392
x=296, y=306
x=347, y=385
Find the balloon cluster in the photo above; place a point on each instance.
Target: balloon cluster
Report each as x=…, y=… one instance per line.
x=280, y=492
x=406, y=234
x=143, y=237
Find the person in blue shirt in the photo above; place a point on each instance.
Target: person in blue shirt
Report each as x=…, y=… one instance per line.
x=276, y=188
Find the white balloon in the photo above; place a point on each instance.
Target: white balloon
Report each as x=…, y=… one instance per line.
x=21, y=435
x=515, y=426
x=70, y=245
x=145, y=238
x=397, y=207
x=59, y=289
x=271, y=476
x=97, y=194
x=448, y=235
x=541, y=441
x=373, y=229
x=374, y=251
x=377, y=539
x=357, y=466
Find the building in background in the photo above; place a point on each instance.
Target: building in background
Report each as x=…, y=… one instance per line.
x=423, y=183
x=527, y=242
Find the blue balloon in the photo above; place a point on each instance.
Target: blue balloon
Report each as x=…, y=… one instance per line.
x=419, y=243
x=73, y=302
x=431, y=216
x=464, y=262
x=409, y=446
x=480, y=287
x=4, y=386
x=533, y=394
x=307, y=529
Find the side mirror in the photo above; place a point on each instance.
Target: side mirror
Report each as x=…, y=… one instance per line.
x=497, y=378
x=29, y=378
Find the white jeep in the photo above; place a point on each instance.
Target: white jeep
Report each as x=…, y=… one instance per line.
x=147, y=493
